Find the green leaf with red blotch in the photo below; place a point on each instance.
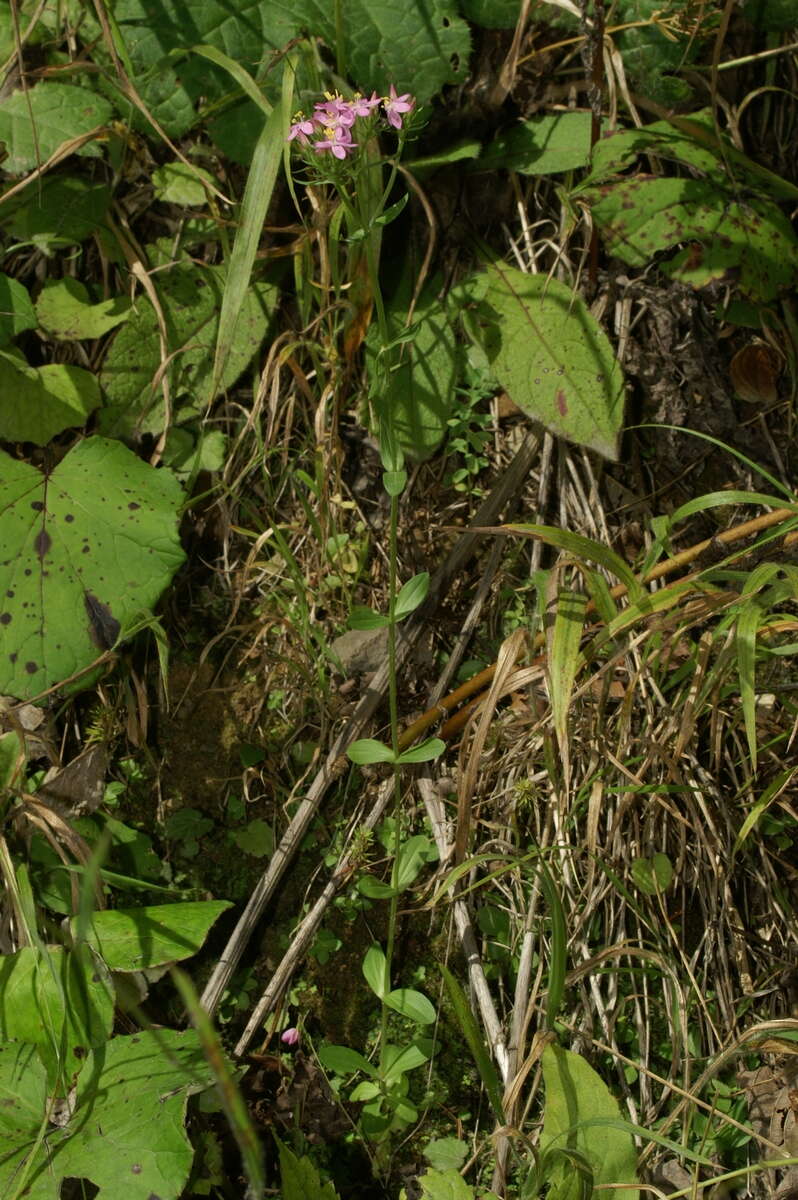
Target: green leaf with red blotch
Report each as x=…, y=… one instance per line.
x=550, y=354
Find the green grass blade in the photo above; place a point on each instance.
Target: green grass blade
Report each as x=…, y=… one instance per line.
x=749, y=618
x=471, y=1032
x=771, y=792
x=722, y=500
x=232, y=1101
x=241, y=76
x=563, y=661
x=257, y=196
x=757, y=468
x=582, y=548
x=558, y=957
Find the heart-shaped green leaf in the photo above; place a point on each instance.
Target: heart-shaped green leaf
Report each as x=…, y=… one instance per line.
x=87, y=550
x=653, y=874
x=36, y=403
x=65, y=311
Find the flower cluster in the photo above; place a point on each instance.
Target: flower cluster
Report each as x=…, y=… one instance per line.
x=334, y=119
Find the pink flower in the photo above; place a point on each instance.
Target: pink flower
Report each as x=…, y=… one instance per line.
x=338, y=141
x=335, y=111
x=396, y=105
x=290, y=1037
x=362, y=107
x=301, y=129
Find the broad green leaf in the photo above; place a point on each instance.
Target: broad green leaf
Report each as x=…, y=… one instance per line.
x=362, y=617
x=133, y=939
x=60, y=210
x=36, y=403
x=177, y=183
x=416, y=387
x=36, y=122
x=367, y=1089
x=469, y=148
x=299, y=1177
x=424, y=752
x=369, y=750
x=401, y=1059
x=191, y=297
x=772, y=16
x=66, y=312
x=492, y=14
x=343, y=1061
x=552, y=357
x=445, y=1185
x=256, y=838
x=411, y=1004
x=473, y=1036
x=374, y=888
x=652, y=875
x=542, y=146
x=88, y=548
x=411, y=595
x=12, y=758
x=750, y=243
x=414, y=854
x=575, y=1094
x=16, y=310
x=374, y=970
x=419, y=48
x=60, y=1000
x=140, y=1085
x=692, y=141
x=191, y=450
x=446, y=1153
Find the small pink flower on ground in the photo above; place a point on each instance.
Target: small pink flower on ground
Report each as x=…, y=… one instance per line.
x=362, y=107
x=395, y=106
x=301, y=129
x=290, y=1037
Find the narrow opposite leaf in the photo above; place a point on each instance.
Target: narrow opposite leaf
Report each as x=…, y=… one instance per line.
x=369, y=750
x=432, y=748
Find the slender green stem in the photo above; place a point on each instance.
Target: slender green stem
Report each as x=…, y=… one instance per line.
x=361, y=216
x=393, y=709
x=340, y=61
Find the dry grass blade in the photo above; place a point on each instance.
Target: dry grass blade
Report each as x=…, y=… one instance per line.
x=505, y=663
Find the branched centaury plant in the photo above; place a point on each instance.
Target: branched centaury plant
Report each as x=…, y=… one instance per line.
x=337, y=143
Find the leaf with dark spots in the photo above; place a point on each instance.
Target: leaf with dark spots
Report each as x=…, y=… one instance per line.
x=82, y=565
x=752, y=243
x=104, y=629
x=127, y=1110
x=42, y=543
